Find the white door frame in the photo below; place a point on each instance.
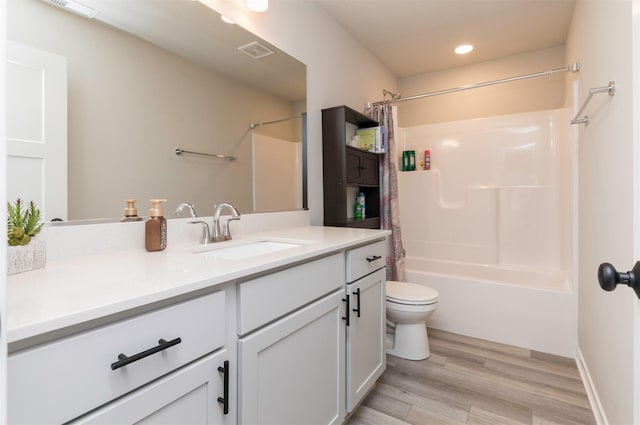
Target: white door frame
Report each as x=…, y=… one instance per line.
x=636, y=198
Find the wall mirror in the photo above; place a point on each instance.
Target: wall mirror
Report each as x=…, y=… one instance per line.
x=144, y=78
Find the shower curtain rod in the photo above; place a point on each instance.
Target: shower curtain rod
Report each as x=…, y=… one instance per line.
x=254, y=125
x=574, y=67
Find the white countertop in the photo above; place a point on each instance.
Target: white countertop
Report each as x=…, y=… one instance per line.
x=77, y=290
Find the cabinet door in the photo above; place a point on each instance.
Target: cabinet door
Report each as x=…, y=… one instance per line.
x=369, y=169
x=292, y=371
x=353, y=166
x=187, y=396
x=366, y=358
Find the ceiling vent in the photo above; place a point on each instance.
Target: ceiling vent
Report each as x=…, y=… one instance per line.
x=75, y=7
x=256, y=50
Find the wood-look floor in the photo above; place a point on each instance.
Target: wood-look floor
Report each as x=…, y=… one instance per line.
x=473, y=381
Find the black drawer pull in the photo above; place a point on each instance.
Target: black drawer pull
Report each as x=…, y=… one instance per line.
x=346, y=318
x=357, y=294
x=374, y=258
x=224, y=400
x=124, y=360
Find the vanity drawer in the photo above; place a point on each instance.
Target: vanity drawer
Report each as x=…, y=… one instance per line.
x=366, y=259
x=58, y=381
x=269, y=297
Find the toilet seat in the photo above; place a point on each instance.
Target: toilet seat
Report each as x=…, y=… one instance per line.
x=410, y=293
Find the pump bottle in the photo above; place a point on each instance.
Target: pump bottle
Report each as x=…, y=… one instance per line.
x=155, y=236
x=131, y=212
x=361, y=200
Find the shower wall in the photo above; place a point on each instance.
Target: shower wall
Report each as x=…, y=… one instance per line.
x=497, y=194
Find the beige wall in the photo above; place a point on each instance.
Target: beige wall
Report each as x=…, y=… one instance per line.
x=339, y=70
x=131, y=104
x=532, y=94
x=601, y=40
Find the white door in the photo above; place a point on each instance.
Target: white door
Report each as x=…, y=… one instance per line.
x=636, y=204
x=37, y=129
x=607, y=43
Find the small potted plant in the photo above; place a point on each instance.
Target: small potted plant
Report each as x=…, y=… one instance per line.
x=23, y=224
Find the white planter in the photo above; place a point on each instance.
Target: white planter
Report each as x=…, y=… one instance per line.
x=26, y=257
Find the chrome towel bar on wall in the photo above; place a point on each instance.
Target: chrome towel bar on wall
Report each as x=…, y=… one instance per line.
x=179, y=151
x=610, y=89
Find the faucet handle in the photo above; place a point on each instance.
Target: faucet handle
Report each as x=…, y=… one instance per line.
x=225, y=231
x=204, y=237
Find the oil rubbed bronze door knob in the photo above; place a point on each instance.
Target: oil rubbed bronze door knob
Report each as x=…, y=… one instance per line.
x=609, y=278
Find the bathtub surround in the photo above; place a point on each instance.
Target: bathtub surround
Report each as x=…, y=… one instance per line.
x=487, y=227
x=494, y=192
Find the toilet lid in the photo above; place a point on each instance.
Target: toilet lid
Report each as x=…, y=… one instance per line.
x=410, y=293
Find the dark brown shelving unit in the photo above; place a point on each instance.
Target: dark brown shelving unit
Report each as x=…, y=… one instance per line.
x=345, y=167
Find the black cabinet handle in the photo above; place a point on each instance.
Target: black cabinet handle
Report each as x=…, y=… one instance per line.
x=373, y=258
x=608, y=277
x=224, y=400
x=357, y=294
x=346, y=319
x=124, y=360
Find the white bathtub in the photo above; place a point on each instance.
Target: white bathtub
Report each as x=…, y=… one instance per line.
x=499, y=192
x=527, y=308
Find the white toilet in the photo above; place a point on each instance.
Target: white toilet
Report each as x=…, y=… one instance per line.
x=408, y=306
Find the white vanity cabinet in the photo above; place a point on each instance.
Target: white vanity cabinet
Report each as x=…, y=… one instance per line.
x=273, y=340
x=292, y=369
x=153, y=365
x=366, y=358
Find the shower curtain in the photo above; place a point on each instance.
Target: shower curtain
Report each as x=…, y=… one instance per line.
x=386, y=115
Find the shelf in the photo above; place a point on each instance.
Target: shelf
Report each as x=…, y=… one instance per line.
x=367, y=223
x=346, y=168
x=362, y=150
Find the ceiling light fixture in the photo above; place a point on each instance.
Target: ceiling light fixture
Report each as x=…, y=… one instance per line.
x=258, y=5
x=75, y=7
x=463, y=49
x=227, y=20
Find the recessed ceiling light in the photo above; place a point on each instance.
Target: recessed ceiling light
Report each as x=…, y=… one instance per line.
x=463, y=49
x=258, y=5
x=227, y=20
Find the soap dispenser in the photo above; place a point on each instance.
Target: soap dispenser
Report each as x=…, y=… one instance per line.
x=131, y=212
x=155, y=229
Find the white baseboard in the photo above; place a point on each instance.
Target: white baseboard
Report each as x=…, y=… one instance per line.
x=596, y=406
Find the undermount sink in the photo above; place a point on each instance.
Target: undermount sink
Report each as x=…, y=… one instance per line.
x=249, y=249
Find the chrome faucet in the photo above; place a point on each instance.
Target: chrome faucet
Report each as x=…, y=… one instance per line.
x=225, y=234
x=217, y=235
x=188, y=206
